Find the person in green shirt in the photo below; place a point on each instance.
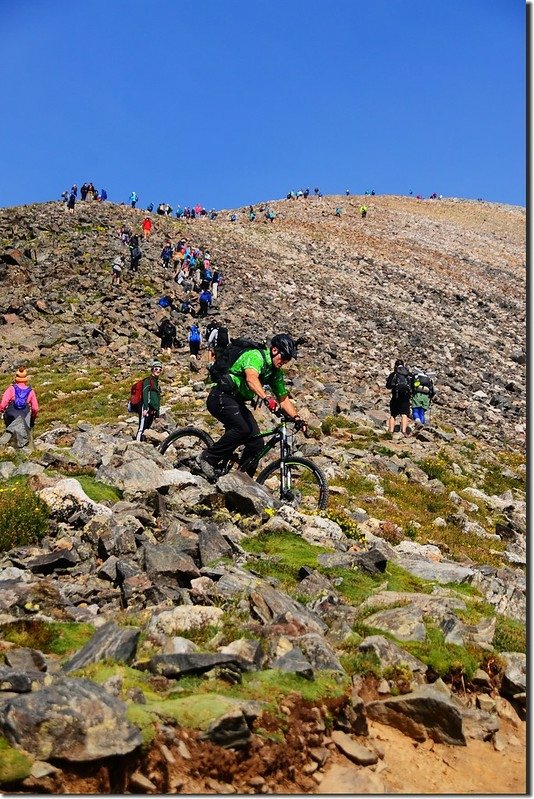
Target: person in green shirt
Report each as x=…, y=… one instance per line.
x=243, y=383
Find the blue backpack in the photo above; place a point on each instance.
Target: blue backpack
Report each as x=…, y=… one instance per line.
x=194, y=334
x=21, y=397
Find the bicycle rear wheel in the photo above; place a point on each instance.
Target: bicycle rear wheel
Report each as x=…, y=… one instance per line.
x=298, y=482
x=184, y=445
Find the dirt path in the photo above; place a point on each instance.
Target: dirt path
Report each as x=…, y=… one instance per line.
x=430, y=768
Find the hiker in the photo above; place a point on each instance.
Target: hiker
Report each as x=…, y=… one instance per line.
x=167, y=334
x=233, y=218
x=338, y=211
x=133, y=199
x=399, y=383
x=19, y=399
x=194, y=338
x=71, y=202
x=148, y=405
x=422, y=395
x=135, y=256
x=204, y=301
x=216, y=338
x=74, y=189
x=244, y=381
x=146, y=227
x=216, y=280
x=166, y=254
x=103, y=196
x=363, y=211
x=270, y=215
x=251, y=214
x=116, y=270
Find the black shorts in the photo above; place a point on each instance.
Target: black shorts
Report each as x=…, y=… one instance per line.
x=399, y=406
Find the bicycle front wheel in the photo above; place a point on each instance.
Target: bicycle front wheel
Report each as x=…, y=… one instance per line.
x=184, y=445
x=298, y=482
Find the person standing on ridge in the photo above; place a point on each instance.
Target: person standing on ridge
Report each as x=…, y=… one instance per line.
x=133, y=199
x=244, y=382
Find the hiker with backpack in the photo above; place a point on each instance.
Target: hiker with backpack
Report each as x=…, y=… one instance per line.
x=204, y=301
x=133, y=199
x=216, y=280
x=145, y=398
x=241, y=373
x=422, y=395
x=116, y=270
x=19, y=400
x=135, y=254
x=217, y=339
x=399, y=383
x=166, y=254
x=167, y=334
x=194, y=338
x=363, y=211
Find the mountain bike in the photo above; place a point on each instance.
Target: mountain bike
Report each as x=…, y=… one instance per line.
x=297, y=481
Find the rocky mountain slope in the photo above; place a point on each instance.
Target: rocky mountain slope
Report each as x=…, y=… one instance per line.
x=225, y=643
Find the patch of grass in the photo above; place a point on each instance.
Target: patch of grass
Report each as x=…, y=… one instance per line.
x=287, y=552
x=448, y=661
x=23, y=515
x=14, y=765
x=510, y=635
x=97, y=491
x=54, y=638
x=494, y=482
x=439, y=467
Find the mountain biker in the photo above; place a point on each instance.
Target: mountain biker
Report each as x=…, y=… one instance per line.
x=244, y=382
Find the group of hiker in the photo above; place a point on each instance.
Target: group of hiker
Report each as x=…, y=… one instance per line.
x=87, y=193
x=412, y=392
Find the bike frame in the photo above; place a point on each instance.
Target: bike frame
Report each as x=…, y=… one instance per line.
x=279, y=434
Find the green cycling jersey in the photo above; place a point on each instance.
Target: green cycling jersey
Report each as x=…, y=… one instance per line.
x=261, y=362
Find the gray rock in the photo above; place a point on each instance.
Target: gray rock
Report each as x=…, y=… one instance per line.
x=319, y=653
x=458, y=632
x=74, y=720
x=212, y=545
x=353, y=750
x=405, y=623
x=51, y=561
x=246, y=648
x=246, y=496
x=294, y=662
x=166, y=560
x=15, y=681
x=229, y=731
x=177, y=665
x=110, y=642
x=373, y=561
x=24, y=659
x=20, y=432
x=421, y=714
x=390, y=654
x=514, y=679
x=442, y=572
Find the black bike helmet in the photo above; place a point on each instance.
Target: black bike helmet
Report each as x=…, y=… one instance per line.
x=285, y=345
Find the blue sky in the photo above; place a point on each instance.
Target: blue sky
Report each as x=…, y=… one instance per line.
x=227, y=102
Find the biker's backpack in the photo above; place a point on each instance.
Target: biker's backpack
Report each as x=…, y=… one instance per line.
x=401, y=383
x=228, y=356
x=21, y=397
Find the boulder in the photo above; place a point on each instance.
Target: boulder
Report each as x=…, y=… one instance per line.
x=110, y=642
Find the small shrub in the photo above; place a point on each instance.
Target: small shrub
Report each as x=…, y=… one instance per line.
x=346, y=522
x=23, y=516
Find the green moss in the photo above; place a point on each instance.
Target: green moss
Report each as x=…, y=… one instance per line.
x=445, y=660
x=97, y=491
x=14, y=765
x=510, y=635
x=287, y=552
x=348, y=525
x=56, y=638
x=494, y=482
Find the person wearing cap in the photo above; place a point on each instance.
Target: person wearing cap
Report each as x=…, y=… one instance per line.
x=149, y=407
x=19, y=399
